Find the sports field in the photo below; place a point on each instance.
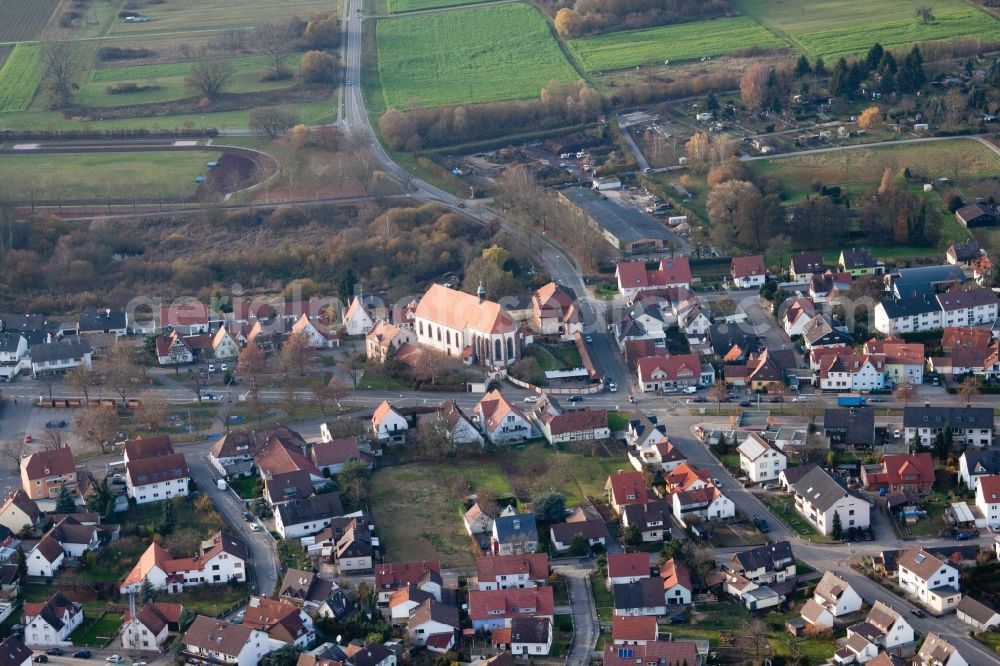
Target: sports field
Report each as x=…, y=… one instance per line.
x=169, y=79
x=19, y=77
x=833, y=28
x=687, y=41
x=468, y=56
x=174, y=15
x=23, y=19
x=98, y=175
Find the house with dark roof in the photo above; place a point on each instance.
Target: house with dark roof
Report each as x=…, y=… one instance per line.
x=963, y=254
x=14, y=357
x=819, y=497
x=974, y=464
x=52, y=358
x=433, y=624
x=895, y=316
x=530, y=636
x=154, y=473
x=850, y=427
x=977, y=615
x=19, y=511
x=151, y=626
x=578, y=523
x=395, y=576
x=300, y=517
x=806, y=264
x=52, y=622
x=642, y=597
x=514, y=533
x=883, y=629
x=939, y=652
x=969, y=426
x=731, y=342
x=13, y=652
x=213, y=641
x=305, y=588
x=924, y=280
x=976, y=215
x=650, y=519
x=67, y=538
x=233, y=454
x=859, y=261
x=770, y=563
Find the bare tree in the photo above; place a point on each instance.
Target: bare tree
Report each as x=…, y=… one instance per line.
x=274, y=41
x=151, y=413
x=82, y=379
x=61, y=67
x=296, y=353
x=904, y=391
x=252, y=360
x=355, y=368
x=331, y=394
x=195, y=381
x=967, y=389
x=121, y=369
x=208, y=77
x=15, y=449
x=269, y=122
x=925, y=14
x=98, y=424
x=52, y=439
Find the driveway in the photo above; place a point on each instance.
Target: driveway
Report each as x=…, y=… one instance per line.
x=262, y=549
x=581, y=601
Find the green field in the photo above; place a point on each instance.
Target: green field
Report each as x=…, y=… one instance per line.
x=87, y=175
x=468, y=56
x=19, y=78
x=172, y=15
x=833, y=28
x=97, y=632
x=248, y=72
x=23, y=19
x=618, y=50
x=399, y=6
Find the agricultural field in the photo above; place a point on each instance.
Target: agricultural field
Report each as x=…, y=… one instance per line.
x=399, y=6
x=834, y=28
x=22, y=20
x=88, y=175
x=169, y=81
x=19, y=77
x=174, y=15
x=864, y=166
x=468, y=56
x=687, y=41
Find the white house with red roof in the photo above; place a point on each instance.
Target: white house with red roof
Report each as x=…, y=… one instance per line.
x=172, y=349
x=798, y=311
x=500, y=572
x=626, y=487
x=218, y=560
x=357, y=320
x=151, y=626
x=555, y=311
x=748, y=272
x=385, y=339
x=843, y=370
x=988, y=499
x=317, y=334
x=677, y=587
x=394, y=576
x=467, y=327
x=227, y=341
x=491, y=609
x=652, y=653
x=706, y=503
x=52, y=622
x=669, y=373
x=502, y=421
x=634, y=629
x=330, y=455
x=558, y=426
x=388, y=424
x=633, y=276
x=627, y=568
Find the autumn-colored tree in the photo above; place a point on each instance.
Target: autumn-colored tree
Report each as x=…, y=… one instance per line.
x=967, y=389
x=754, y=85
x=726, y=200
x=732, y=169
x=120, y=368
x=905, y=392
x=296, y=353
x=252, y=360
x=82, y=379
x=317, y=67
x=98, y=424
x=152, y=412
x=870, y=118
x=568, y=23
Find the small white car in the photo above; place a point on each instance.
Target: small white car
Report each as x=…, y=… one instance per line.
x=211, y=367
x=896, y=433
x=114, y=659
x=690, y=389
x=223, y=367
x=531, y=398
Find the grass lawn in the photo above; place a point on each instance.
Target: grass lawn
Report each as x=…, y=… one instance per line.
x=569, y=357
x=934, y=505
x=91, y=175
x=604, y=600
x=247, y=488
x=431, y=496
x=618, y=420
x=784, y=508
x=686, y=41
x=398, y=6
x=210, y=599
x=169, y=77
x=468, y=56
x=606, y=291
x=832, y=28
x=98, y=632
x=19, y=77
x=990, y=638
x=173, y=15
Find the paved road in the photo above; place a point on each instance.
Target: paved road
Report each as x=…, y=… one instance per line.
x=585, y=625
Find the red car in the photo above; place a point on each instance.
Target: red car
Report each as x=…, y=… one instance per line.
x=28, y=439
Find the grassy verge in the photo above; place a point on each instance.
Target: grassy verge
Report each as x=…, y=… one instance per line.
x=98, y=632
x=784, y=509
x=604, y=600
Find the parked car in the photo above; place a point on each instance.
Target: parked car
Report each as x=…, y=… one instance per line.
x=917, y=612
x=575, y=398
x=81, y=654
x=896, y=433
x=223, y=368
x=531, y=399
x=963, y=536
x=589, y=339
x=690, y=389
x=745, y=403
x=247, y=516
x=55, y=652
x=211, y=367
x=118, y=478
x=679, y=619
x=114, y=659
x=254, y=527
x=40, y=659
x=612, y=387
x=761, y=524
x=698, y=398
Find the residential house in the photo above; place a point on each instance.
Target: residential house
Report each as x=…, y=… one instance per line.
x=530, y=636
x=760, y=459
x=593, y=530
x=625, y=488
x=694, y=321
x=501, y=421
x=963, y=254
x=968, y=307
x=13, y=652
x=965, y=351
x=219, y=642
x=803, y=265
x=643, y=432
x=676, y=580
x=859, y=261
x=336, y=606
x=234, y=453
x=821, y=331
x=652, y=653
x=331, y=456
x=970, y=426
x=626, y=630
x=554, y=310
x=58, y=357
x=988, y=499
x=433, y=624
x=976, y=215
x=977, y=463
x=827, y=287
x=514, y=533
x=650, y=519
x=627, y=568
x=13, y=355
x=491, y=609
x=467, y=327
x=900, y=471
x=748, y=272
x=932, y=580
x=661, y=456
x=643, y=597
x=287, y=473
x=67, y=538
x=851, y=427
x=305, y=588
x=559, y=426
x=396, y=575
x=798, y=312
x=452, y=422
x=832, y=598
x=356, y=318
x=504, y=571
x=641, y=321
x=790, y=476
x=477, y=522
x=842, y=370
x=316, y=334
x=882, y=629
x=770, y=563
x=903, y=361
x=936, y=651
x=52, y=622
x=388, y=424
x=154, y=477
x=225, y=344
x=46, y=558
x=385, y=339
x=283, y=622
x=633, y=276
x=672, y=373
x=218, y=560
x=707, y=503
x=297, y=518
x=819, y=498
x=897, y=316
x=173, y=349
x=354, y=550
x=19, y=512
x=151, y=626
x=977, y=614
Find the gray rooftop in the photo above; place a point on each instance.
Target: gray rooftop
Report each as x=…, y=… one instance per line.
x=628, y=225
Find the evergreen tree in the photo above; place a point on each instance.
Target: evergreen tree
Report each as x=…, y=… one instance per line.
x=874, y=57
x=819, y=67
x=711, y=103
x=65, y=502
x=856, y=74
x=840, y=79
x=147, y=592
x=940, y=446
x=22, y=564
x=168, y=521
x=837, y=531
x=802, y=67
x=911, y=77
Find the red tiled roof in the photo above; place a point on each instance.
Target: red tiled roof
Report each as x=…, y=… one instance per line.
x=535, y=565
x=990, y=486
x=460, y=311
x=335, y=452
x=902, y=468
x=653, y=653
x=748, y=266
x=680, y=366
x=621, y=565
x=675, y=573
x=582, y=420
x=398, y=574
x=633, y=628
x=625, y=483
x=481, y=603
x=53, y=462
